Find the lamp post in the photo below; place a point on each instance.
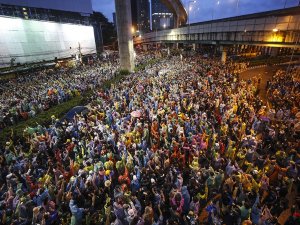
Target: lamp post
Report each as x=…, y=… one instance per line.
x=213, y=11
x=237, y=7
x=189, y=9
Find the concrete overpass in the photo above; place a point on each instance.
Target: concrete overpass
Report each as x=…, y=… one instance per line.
x=177, y=8
x=278, y=28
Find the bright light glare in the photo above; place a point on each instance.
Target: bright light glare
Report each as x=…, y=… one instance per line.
x=218, y=3
x=275, y=30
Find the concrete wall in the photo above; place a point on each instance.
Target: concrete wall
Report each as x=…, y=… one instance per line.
x=34, y=41
x=83, y=6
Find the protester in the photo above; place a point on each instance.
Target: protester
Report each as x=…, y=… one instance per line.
x=181, y=142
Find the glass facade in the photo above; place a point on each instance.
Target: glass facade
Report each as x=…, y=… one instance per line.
x=44, y=14
x=143, y=18
x=162, y=17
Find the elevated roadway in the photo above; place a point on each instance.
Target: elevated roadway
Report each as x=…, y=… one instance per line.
x=278, y=28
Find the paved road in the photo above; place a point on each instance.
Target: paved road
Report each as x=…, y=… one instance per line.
x=265, y=73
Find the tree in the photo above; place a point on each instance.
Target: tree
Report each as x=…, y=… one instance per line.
x=108, y=29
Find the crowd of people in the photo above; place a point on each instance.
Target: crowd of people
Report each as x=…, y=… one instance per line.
x=284, y=89
x=183, y=142
x=26, y=96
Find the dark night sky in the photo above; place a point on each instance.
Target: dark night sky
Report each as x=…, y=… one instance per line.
x=207, y=9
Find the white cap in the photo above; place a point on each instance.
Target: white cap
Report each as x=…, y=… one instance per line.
x=131, y=212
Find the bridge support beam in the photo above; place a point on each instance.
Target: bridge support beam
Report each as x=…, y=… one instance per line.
x=125, y=41
x=175, y=46
x=274, y=51
x=224, y=54
x=194, y=47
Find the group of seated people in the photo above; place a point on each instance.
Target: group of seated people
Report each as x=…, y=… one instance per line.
x=25, y=96
x=190, y=144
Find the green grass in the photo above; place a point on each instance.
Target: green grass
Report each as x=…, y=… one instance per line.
x=7, y=76
x=143, y=66
x=60, y=110
x=116, y=79
x=43, y=118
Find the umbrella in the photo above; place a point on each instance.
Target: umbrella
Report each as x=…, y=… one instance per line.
x=136, y=113
x=76, y=110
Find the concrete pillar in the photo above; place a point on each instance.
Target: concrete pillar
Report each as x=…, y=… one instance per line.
x=124, y=23
x=224, y=56
x=274, y=51
x=266, y=50
x=194, y=47
x=224, y=53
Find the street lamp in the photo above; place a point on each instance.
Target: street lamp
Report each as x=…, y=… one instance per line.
x=237, y=7
x=189, y=9
x=213, y=12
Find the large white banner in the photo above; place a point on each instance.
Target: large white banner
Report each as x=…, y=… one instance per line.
x=30, y=41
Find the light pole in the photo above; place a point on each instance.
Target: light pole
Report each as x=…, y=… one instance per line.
x=189, y=9
x=213, y=11
x=237, y=7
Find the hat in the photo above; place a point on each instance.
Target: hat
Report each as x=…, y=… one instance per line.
x=152, y=181
x=131, y=213
x=191, y=213
x=134, y=177
x=107, y=183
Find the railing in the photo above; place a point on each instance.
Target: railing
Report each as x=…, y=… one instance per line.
x=273, y=29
